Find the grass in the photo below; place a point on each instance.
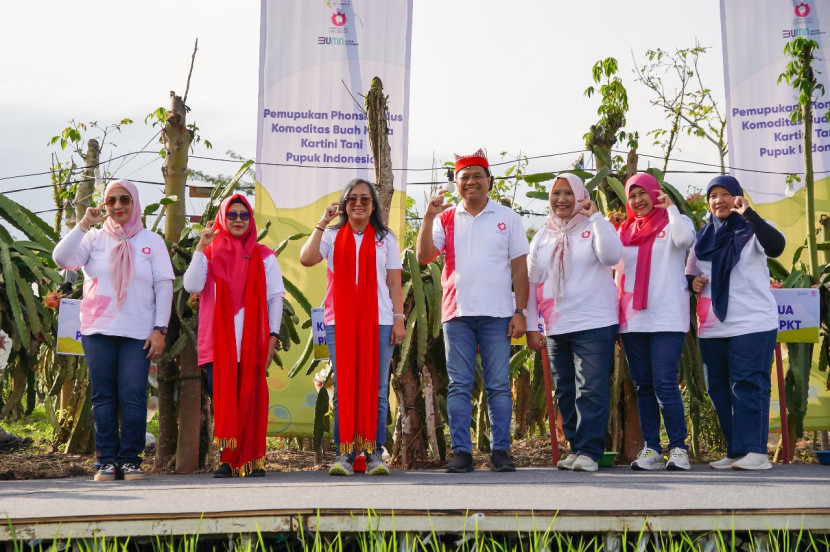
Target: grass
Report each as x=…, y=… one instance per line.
x=430, y=541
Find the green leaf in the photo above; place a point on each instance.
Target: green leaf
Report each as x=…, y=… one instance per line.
x=617, y=187
x=151, y=209
x=9, y=272
x=169, y=200
x=594, y=182
x=282, y=245
x=535, y=178
x=656, y=173
x=297, y=294
x=304, y=357
x=34, y=227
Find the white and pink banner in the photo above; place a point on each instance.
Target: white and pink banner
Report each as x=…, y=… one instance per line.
x=317, y=60
x=764, y=145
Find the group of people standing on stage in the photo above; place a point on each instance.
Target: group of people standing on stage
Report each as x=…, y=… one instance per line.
x=493, y=283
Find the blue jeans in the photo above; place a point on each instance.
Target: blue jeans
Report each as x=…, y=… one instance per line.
x=461, y=337
x=385, y=350
x=581, y=365
x=653, y=361
x=738, y=382
x=118, y=370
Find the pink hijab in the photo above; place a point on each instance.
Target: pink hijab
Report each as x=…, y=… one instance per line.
x=559, y=267
x=122, y=257
x=642, y=231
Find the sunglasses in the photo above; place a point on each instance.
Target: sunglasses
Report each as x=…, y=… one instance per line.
x=124, y=199
x=365, y=200
x=243, y=215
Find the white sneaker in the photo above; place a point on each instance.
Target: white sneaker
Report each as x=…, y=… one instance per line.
x=678, y=460
x=567, y=463
x=723, y=464
x=584, y=463
x=648, y=459
x=753, y=461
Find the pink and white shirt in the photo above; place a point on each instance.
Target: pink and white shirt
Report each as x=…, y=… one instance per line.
x=477, y=262
x=387, y=257
x=752, y=307
x=668, y=294
x=149, y=295
x=589, y=299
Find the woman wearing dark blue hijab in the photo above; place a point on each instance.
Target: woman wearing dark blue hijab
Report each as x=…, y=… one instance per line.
x=737, y=319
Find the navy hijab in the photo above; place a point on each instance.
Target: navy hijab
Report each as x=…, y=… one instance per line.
x=721, y=242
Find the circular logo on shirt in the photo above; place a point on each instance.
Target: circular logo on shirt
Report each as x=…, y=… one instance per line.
x=380, y=243
x=662, y=234
x=586, y=234
x=145, y=250
x=502, y=226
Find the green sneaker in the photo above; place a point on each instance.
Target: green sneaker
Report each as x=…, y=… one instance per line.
x=342, y=465
x=375, y=464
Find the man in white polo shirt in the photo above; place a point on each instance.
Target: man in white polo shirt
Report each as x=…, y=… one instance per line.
x=484, y=244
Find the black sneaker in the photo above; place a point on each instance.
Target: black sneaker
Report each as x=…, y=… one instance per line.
x=259, y=472
x=223, y=472
x=462, y=462
x=500, y=462
x=131, y=472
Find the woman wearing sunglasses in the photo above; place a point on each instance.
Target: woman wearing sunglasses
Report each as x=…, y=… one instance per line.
x=128, y=292
x=240, y=310
x=364, y=315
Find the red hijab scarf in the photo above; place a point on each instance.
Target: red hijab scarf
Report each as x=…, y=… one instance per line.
x=356, y=335
x=240, y=392
x=642, y=231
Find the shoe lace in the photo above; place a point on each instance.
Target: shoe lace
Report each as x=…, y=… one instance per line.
x=678, y=453
x=646, y=453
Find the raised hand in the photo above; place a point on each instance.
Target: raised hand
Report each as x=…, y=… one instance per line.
x=436, y=205
x=93, y=215
x=207, y=236
x=663, y=200
x=741, y=205
x=588, y=207
x=332, y=212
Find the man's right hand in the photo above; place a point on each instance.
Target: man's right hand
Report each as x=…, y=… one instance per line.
x=436, y=205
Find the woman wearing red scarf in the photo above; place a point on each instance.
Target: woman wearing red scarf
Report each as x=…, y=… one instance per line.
x=364, y=315
x=654, y=315
x=240, y=310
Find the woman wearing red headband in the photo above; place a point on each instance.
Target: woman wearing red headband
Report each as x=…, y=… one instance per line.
x=240, y=310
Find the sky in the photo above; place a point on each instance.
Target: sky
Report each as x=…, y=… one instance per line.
x=505, y=76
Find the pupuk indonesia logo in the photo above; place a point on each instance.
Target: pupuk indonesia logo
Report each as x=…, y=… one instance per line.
x=802, y=10
x=338, y=19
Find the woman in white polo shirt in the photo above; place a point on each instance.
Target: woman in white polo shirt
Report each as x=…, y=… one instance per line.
x=737, y=319
x=571, y=285
x=654, y=315
x=128, y=292
x=364, y=314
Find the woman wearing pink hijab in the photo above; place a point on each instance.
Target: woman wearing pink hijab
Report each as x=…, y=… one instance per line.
x=654, y=315
x=128, y=293
x=571, y=285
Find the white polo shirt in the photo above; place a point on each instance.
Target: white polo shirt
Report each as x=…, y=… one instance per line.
x=752, y=307
x=668, y=294
x=478, y=252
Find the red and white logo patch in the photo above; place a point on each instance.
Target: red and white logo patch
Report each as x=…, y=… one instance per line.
x=145, y=250
x=586, y=234
x=661, y=235
x=380, y=243
x=502, y=226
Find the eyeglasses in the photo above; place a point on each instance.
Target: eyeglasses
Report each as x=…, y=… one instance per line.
x=364, y=200
x=124, y=199
x=241, y=215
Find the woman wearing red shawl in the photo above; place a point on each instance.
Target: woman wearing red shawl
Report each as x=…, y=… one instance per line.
x=240, y=310
x=569, y=268
x=737, y=320
x=654, y=315
x=128, y=292
x=364, y=315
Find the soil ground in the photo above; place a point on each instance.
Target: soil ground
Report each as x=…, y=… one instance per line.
x=35, y=461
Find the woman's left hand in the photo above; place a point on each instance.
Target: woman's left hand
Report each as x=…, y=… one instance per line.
x=588, y=207
x=156, y=345
x=663, y=201
x=398, y=332
x=741, y=205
